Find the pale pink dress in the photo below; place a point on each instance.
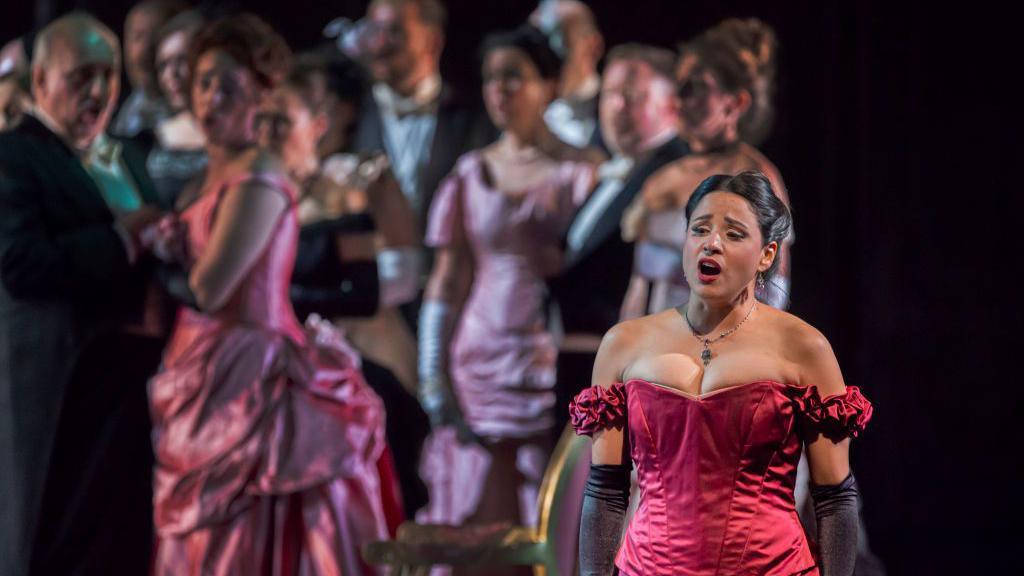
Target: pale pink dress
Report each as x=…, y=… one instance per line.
x=267, y=438
x=502, y=360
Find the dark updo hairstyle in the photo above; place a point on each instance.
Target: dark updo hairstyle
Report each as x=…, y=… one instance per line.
x=250, y=41
x=344, y=78
x=741, y=55
x=532, y=42
x=773, y=216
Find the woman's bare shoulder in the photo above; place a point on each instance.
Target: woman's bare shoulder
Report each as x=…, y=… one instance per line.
x=263, y=162
x=803, y=342
x=639, y=332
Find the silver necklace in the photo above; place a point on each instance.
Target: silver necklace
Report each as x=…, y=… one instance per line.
x=705, y=354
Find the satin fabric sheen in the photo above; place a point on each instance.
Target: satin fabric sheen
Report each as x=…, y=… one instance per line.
x=717, y=472
x=502, y=360
x=267, y=439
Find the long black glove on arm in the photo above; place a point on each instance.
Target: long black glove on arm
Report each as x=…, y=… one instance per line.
x=836, y=509
x=605, y=501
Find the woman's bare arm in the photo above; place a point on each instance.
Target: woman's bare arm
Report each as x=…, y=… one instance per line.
x=829, y=460
x=612, y=360
x=245, y=221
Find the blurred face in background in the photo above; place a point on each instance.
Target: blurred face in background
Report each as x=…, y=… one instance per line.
x=78, y=84
x=340, y=115
x=515, y=94
x=287, y=125
x=636, y=106
x=708, y=113
x=225, y=99
x=402, y=49
x=139, y=30
x=172, y=68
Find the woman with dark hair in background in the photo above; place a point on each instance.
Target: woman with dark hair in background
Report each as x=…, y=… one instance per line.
x=267, y=439
x=144, y=107
x=714, y=401
x=341, y=247
x=726, y=79
x=487, y=361
x=178, y=153
x=344, y=182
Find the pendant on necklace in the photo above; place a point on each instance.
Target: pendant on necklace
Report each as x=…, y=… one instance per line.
x=705, y=355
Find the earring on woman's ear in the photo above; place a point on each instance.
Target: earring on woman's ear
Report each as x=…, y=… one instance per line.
x=760, y=281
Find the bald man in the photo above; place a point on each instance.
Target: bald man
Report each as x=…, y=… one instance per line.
x=74, y=349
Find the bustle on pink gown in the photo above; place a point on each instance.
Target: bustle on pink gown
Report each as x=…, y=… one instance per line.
x=269, y=444
x=502, y=357
x=716, y=472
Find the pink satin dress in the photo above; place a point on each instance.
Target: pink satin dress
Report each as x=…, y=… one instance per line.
x=502, y=356
x=716, y=472
x=267, y=438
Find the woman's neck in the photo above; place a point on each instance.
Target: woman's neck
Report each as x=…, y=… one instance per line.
x=220, y=155
x=712, y=317
x=534, y=137
x=723, y=141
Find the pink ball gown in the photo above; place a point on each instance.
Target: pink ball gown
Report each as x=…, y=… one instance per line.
x=267, y=438
x=717, y=471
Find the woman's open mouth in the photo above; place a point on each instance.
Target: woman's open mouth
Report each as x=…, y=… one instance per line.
x=708, y=270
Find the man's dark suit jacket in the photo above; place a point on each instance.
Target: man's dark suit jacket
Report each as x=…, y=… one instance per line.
x=594, y=280
x=461, y=126
x=66, y=284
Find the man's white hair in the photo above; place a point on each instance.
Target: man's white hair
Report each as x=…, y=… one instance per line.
x=72, y=26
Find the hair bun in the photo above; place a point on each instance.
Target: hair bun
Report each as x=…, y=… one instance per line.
x=742, y=55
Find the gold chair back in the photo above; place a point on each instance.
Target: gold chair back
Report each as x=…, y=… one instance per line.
x=559, y=503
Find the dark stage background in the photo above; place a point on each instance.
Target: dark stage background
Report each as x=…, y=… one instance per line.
x=898, y=140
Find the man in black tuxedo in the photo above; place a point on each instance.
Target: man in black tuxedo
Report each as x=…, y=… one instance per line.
x=77, y=339
x=638, y=115
x=410, y=113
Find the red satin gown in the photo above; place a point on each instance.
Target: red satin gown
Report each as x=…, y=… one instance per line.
x=716, y=472
x=267, y=439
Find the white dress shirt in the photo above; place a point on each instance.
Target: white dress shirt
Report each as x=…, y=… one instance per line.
x=408, y=124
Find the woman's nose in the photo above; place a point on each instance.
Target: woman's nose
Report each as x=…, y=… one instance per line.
x=713, y=243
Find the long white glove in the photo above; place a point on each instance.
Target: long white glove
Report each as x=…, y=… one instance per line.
x=435, y=390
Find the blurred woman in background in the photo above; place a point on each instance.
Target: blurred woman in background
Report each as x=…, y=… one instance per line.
x=268, y=441
x=487, y=361
x=178, y=153
x=726, y=79
x=352, y=216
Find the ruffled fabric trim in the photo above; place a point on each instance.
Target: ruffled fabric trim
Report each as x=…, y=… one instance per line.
x=598, y=408
x=837, y=417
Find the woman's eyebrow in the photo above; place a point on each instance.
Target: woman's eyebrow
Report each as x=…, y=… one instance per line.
x=735, y=223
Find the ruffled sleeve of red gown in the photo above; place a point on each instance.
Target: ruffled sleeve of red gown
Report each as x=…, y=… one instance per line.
x=598, y=408
x=837, y=417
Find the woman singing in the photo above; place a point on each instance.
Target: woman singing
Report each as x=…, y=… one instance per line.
x=713, y=402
